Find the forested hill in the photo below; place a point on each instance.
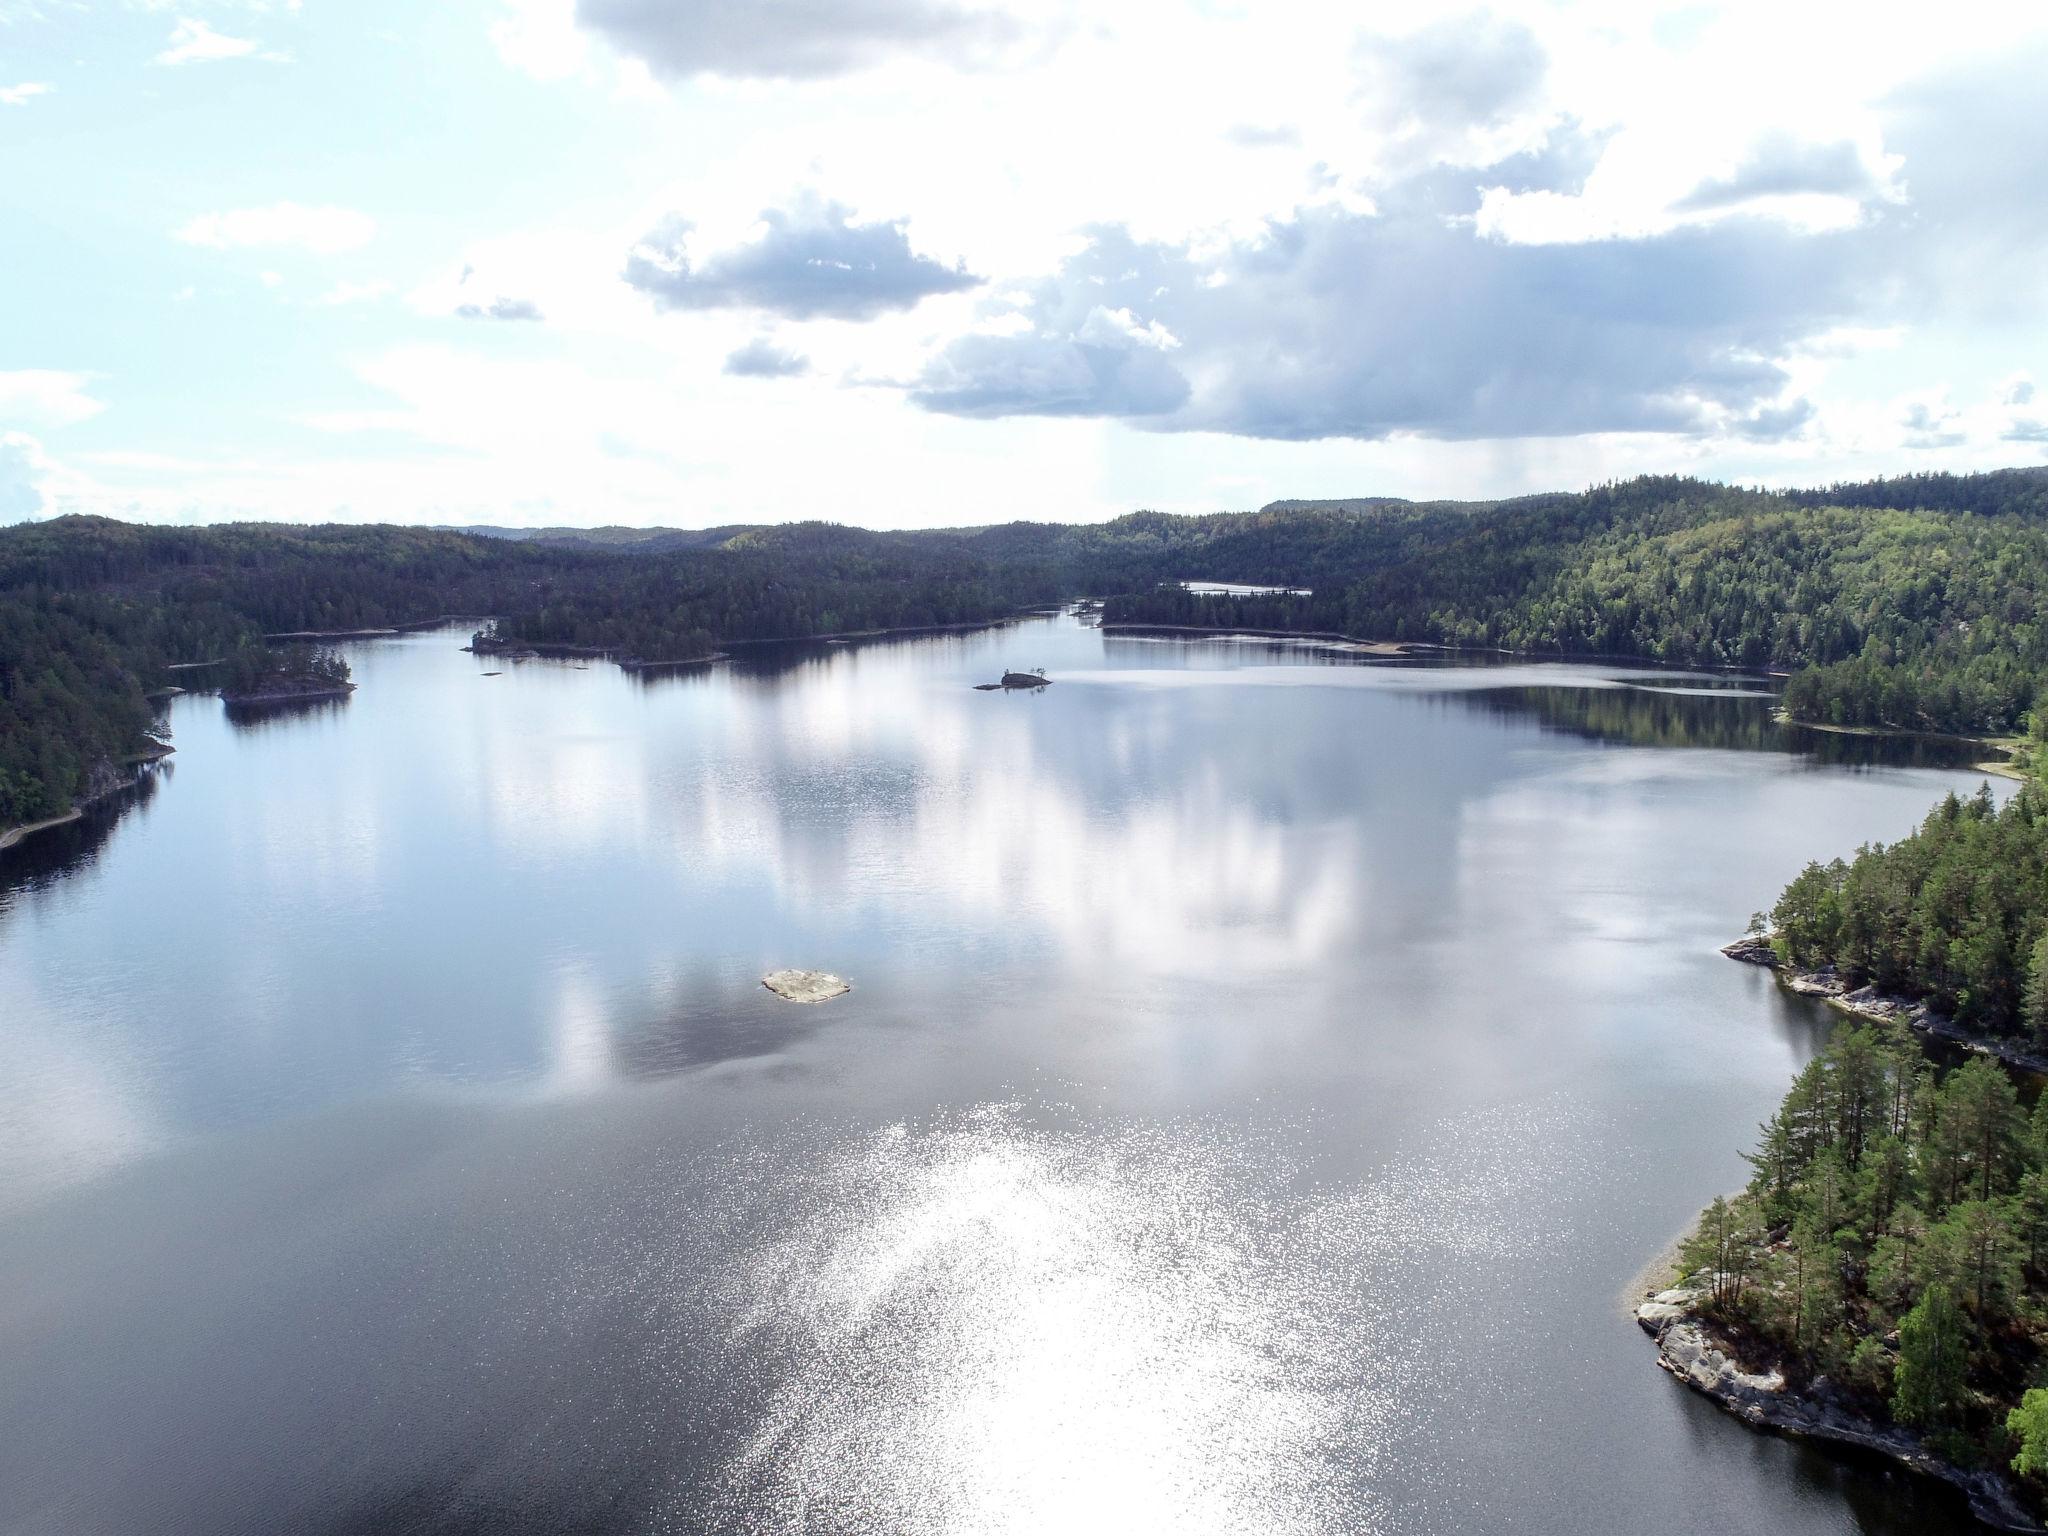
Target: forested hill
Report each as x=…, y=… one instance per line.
x=1924, y=614
x=1908, y=617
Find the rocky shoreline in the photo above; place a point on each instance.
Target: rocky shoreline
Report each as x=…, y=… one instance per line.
x=288, y=693
x=1881, y=1007
x=1690, y=1349
x=106, y=779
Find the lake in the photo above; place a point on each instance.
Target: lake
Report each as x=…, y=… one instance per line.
x=1266, y=1074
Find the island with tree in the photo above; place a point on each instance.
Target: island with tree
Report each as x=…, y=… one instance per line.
x=260, y=674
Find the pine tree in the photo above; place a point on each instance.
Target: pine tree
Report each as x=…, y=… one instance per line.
x=1933, y=1356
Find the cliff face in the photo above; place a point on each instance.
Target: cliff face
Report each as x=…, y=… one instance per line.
x=1690, y=1349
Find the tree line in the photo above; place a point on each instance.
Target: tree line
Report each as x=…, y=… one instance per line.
x=1885, y=615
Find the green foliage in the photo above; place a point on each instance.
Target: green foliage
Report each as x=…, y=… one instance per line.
x=2028, y=1424
x=1933, y=1361
x=257, y=668
x=1894, y=1236
x=1957, y=913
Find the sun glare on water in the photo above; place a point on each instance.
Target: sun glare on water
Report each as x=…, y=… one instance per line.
x=994, y=1324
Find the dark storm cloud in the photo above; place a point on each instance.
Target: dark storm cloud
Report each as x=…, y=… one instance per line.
x=762, y=359
x=792, y=39
x=1784, y=167
x=810, y=262
x=1342, y=324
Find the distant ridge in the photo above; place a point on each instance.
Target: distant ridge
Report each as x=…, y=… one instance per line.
x=612, y=536
x=1337, y=504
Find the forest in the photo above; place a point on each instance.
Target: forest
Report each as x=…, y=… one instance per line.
x=1893, y=1239
x=95, y=614
x=1955, y=914
x=1897, y=617
x=1908, y=604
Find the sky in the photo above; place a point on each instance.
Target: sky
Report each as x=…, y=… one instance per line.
x=941, y=262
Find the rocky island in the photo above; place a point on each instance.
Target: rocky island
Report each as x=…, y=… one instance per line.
x=261, y=674
x=806, y=986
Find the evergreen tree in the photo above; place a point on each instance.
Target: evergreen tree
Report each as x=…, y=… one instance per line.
x=1933, y=1356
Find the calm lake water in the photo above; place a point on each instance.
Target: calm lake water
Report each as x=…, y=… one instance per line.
x=1265, y=1075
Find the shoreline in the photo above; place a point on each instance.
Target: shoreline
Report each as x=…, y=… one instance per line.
x=904, y=629
x=1691, y=1350
x=2010, y=745
x=1875, y=1007
x=154, y=753
x=15, y=834
x=287, y=696
x=513, y=649
x=1326, y=636
x=521, y=650
x=378, y=632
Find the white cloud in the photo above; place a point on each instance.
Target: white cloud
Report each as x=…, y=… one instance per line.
x=194, y=42
x=45, y=398
x=24, y=474
x=321, y=230
x=20, y=95
x=540, y=38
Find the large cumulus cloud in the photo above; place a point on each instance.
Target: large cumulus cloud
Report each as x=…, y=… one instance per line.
x=811, y=261
x=1781, y=166
x=1335, y=323
x=792, y=39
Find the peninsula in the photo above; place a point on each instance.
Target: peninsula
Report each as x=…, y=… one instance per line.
x=1882, y=1282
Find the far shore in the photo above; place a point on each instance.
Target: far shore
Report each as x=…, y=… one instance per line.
x=2010, y=745
x=409, y=626
x=512, y=647
x=1325, y=636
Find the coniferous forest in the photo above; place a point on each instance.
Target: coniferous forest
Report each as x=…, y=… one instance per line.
x=1955, y=914
x=1894, y=1240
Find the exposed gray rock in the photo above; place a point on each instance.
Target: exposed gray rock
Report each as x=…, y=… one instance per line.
x=1689, y=1349
x=1752, y=949
x=805, y=986
x=1884, y=1008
